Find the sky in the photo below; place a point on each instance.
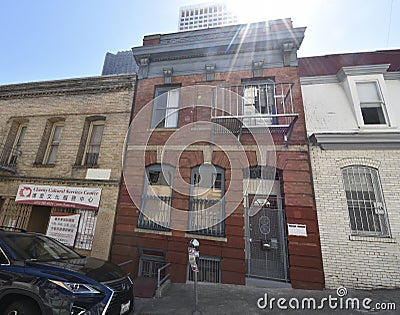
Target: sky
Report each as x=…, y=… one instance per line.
x=58, y=39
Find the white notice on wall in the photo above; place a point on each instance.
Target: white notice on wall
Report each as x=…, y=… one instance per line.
x=297, y=229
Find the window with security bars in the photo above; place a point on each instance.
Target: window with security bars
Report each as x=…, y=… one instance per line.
x=209, y=270
x=86, y=228
x=92, y=149
x=365, y=201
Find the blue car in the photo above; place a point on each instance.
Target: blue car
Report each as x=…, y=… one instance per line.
x=39, y=275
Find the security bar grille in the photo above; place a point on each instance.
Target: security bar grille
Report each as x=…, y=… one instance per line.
x=209, y=270
x=365, y=201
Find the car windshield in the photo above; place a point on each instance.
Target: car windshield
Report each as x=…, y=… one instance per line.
x=37, y=248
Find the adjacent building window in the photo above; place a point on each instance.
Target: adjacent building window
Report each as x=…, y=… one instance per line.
x=92, y=148
x=371, y=103
x=365, y=201
x=155, y=212
x=165, y=108
x=16, y=150
x=207, y=210
x=54, y=143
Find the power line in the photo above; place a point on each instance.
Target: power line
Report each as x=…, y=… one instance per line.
x=390, y=23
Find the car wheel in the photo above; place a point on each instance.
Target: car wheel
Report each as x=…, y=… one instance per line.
x=23, y=307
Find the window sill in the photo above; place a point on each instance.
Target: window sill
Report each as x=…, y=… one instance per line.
x=140, y=230
x=369, y=239
x=38, y=165
x=162, y=129
x=206, y=237
x=84, y=166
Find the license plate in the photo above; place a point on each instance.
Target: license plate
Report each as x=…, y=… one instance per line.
x=125, y=307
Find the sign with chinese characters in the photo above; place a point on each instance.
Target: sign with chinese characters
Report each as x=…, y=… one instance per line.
x=59, y=196
x=297, y=229
x=63, y=227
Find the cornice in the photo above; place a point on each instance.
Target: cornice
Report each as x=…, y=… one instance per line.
x=342, y=73
x=361, y=70
x=389, y=140
x=89, y=85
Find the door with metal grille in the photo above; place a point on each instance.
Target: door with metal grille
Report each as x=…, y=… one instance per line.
x=266, y=239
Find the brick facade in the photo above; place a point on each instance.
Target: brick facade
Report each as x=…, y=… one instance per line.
x=305, y=264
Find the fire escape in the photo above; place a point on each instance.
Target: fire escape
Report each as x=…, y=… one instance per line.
x=252, y=107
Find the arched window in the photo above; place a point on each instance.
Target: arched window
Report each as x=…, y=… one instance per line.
x=207, y=190
x=365, y=201
x=155, y=212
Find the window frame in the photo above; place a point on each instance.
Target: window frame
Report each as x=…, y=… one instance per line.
x=199, y=202
x=371, y=206
x=158, y=94
x=50, y=144
x=99, y=122
x=381, y=101
x=19, y=138
x=350, y=86
x=143, y=220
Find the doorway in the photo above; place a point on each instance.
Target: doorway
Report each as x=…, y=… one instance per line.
x=39, y=219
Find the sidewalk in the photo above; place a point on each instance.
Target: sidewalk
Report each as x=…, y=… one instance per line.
x=224, y=299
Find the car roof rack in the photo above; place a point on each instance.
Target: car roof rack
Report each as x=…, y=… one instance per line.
x=11, y=228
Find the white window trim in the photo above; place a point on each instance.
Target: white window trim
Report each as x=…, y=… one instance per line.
x=50, y=142
x=171, y=118
x=353, y=93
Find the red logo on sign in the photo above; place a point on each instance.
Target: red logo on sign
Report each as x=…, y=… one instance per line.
x=25, y=192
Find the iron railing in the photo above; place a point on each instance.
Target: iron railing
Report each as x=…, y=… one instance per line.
x=92, y=155
x=206, y=217
x=8, y=158
x=155, y=213
x=254, y=106
x=162, y=276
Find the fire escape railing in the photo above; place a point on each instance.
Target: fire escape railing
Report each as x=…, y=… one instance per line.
x=251, y=107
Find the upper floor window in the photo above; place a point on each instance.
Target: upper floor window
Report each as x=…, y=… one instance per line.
x=16, y=151
x=371, y=103
x=92, y=148
x=12, y=148
x=165, y=108
x=54, y=143
x=365, y=201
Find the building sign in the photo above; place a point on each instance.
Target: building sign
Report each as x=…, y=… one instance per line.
x=59, y=196
x=63, y=227
x=297, y=229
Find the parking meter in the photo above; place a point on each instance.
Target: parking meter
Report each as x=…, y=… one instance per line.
x=193, y=251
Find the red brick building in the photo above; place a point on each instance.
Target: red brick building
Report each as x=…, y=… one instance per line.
x=261, y=223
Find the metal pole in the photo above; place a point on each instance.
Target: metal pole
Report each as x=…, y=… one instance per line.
x=196, y=299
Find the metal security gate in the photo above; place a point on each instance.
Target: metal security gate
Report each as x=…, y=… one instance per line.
x=266, y=240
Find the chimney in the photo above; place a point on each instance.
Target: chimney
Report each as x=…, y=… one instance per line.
x=281, y=24
x=150, y=40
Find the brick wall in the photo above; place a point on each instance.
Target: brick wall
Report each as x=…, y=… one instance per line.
x=354, y=261
x=293, y=162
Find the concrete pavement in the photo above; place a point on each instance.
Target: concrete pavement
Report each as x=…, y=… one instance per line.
x=224, y=299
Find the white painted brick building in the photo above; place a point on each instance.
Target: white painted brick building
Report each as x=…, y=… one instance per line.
x=351, y=103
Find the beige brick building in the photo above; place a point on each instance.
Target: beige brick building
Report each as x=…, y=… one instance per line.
x=61, y=148
x=353, y=123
